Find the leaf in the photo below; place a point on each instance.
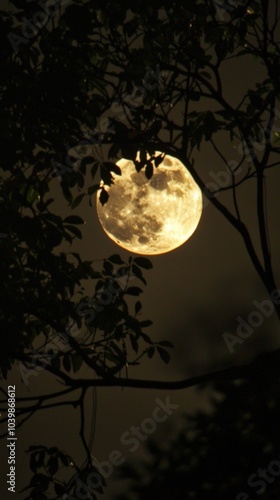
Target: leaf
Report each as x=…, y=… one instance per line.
x=74, y=219
x=122, y=272
x=106, y=176
x=149, y=170
x=53, y=465
x=137, y=307
x=158, y=160
x=81, y=180
x=33, y=462
x=146, y=323
x=133, y=323
x=165, y=356
x=133, y=290
x=206, y=74
x=99, y=285
x=94, y=170
x=143, y=262
x=67, y=362
x=112, y=167
x=87, y=160
x=131, y=26
x=166, y=343
x=93, y=189
x=108, y=268
x=139, y=165
x=64, y=459
x=143, y=156
x=41, y=481
x=77, y=200
x=221, y=49
x=76, y=362
x=75, y=231
x=117, y=350
x=137, y=271
x=150, y=352
x=103, y=197
x=134, y=343
x=41, y=458
x=156, y=127
x=32, y=195
x=146, y=338
x=115, y=259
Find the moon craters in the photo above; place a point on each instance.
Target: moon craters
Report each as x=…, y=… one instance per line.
x=151, y=216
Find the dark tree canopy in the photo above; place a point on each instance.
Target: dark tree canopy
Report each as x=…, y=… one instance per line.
x=82, y=85
x=230, y=453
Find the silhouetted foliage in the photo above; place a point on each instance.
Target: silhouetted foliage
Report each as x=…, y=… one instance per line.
x=232, y=452
x=83, y=84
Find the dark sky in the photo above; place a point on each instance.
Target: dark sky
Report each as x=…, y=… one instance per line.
x=194, y=295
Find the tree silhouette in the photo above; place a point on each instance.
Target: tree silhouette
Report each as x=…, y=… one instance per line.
x=232, y=452
x=86, y=78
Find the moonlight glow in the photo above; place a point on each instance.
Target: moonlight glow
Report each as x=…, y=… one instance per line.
x=155, y=216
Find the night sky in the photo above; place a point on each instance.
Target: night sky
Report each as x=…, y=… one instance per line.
x=194, y=295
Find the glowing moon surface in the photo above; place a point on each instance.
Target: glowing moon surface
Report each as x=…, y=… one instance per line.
x=151, y=216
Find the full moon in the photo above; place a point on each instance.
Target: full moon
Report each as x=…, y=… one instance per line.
x=151, y=216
